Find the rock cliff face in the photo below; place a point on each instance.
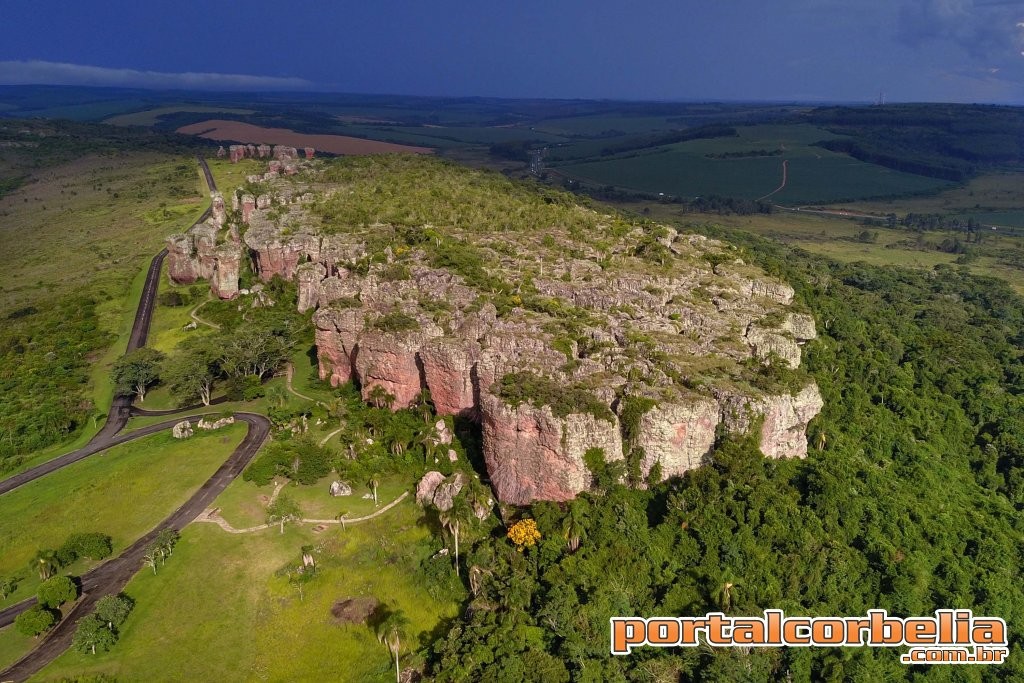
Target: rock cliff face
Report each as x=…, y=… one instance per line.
x=544, y=348
x=533, y=455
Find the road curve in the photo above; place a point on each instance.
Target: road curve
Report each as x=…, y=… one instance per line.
x=111, y=577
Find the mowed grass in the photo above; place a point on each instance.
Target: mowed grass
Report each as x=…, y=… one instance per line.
x=217, y=612
x=123, y=492
x=243, y=504
x=814, y=174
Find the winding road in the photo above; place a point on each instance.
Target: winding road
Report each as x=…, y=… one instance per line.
x=111, y=577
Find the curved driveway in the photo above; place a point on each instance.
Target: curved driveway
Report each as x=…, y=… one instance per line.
x=111, y=577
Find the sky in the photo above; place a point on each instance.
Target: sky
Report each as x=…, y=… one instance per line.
x=807, y=50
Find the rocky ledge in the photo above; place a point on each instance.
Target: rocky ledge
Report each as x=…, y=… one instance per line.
x=631, y=341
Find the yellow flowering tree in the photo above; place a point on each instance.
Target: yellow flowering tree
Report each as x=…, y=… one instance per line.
x=524, y=534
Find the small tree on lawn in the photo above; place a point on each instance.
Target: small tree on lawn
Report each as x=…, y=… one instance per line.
x=113, y=610
x=35, y=620
x=92, y=635
x=284, y=509
x=55, y=591
x=7, y=587
x=134, y=372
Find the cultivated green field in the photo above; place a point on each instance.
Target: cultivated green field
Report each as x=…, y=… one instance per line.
x=151, y=117
x=815, y=175
x=123, y=492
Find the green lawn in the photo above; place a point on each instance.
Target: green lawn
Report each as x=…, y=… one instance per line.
x=123, y=492
x=243, y=504
x=216, y=612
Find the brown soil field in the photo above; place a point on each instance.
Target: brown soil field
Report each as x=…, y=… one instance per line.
x=236, y=131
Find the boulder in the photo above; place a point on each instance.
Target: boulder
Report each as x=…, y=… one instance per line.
x=215, y=424
x=444, y=494
x=340, y=488
x=427, y=486
x=224, y=283
x=182, y=430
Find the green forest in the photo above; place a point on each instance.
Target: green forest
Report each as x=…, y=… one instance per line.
x=910, y=501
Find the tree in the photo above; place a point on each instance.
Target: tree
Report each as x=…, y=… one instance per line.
x=114, y=609
x=190, y=374
x=391, y=631
x=455, y=519
x=372, y=483
x=283, y=509
x=92, y=635
x=574, y=526
x=152, y=558
x=93, y=545
x=45, y=562
x=165, y=542
x=253, y=350
x=380, y=398
x=55, y=591
x=524, y=534
x=137, y=370
x=35, y=620
x=7, y=587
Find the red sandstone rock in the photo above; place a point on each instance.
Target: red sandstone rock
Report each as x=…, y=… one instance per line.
x=449, y=369
x=533, y=455
x=336, y=335
x=390, y=361
x=224, y=283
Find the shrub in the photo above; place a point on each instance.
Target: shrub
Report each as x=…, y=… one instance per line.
x=35, y=620
x=92, y=545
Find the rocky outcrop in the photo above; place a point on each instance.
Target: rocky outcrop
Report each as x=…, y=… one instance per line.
x=784, y=419
x=217, y=209
x=336, y=333
x=426, y=487
x=532, y=454
x=224, y=283
x=248, y=206
x=678, y=435
x=391, y=361
x=182, y=267
x=449, y=369
x=275, y=255
x=309, y=276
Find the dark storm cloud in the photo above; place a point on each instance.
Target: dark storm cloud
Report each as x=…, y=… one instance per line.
x=57, y=73
x=989, y=31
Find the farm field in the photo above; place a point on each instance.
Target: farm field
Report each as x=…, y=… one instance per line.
x=815, y=175
x=236, y=131
x=151, y=117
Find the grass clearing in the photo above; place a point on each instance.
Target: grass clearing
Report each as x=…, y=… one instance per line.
x=217, y=612
x=123, y=492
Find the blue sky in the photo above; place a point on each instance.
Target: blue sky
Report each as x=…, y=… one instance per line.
x=847, y=50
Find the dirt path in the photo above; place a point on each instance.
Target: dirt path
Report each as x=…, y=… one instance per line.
x=780, y=188
x=327, y=438
x=192, y=314
x=288, y=372
x=213, y=516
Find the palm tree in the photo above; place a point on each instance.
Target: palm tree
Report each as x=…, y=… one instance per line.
x=390, y=632
x=454, y=519
x=725, y=592
x=45, y=563
x=574, y=527
x=373, y=482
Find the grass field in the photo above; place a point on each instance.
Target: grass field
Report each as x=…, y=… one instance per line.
x=216, y=612
x=150, y=117
x=838, y=238
x=814, y=175
x=122, y=492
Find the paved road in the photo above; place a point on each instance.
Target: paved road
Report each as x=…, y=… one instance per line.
x=111, y=577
